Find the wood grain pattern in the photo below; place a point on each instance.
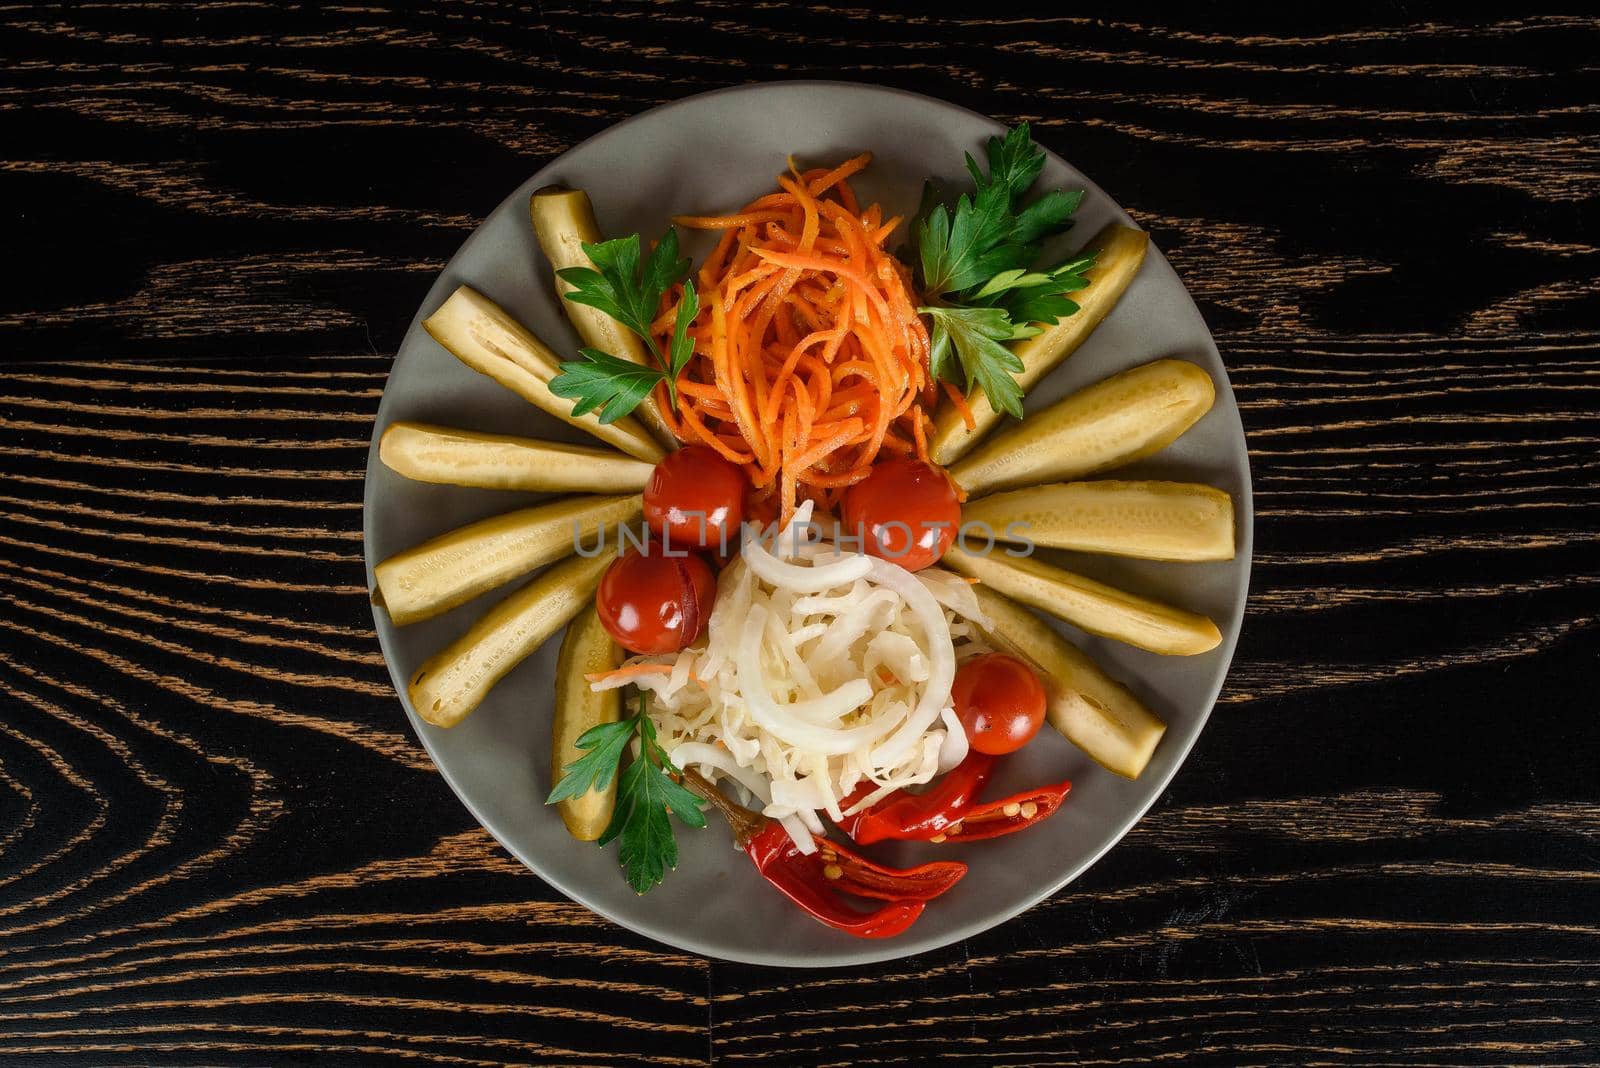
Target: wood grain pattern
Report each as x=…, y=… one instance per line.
x=219, y=843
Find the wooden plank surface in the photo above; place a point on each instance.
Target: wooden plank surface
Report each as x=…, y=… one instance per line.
x=219, y=842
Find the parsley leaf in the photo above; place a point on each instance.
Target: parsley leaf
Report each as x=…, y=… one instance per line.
x=597, y=767
x=990, y=231
x=974, y=336
x=1035, y=296
x=977, y=273
x=647, y=795
x=640, y=824
x=628, y=287
x=962, y=250
x=617, y=284
x=1051, y=214
x=603, y=382
x=1014, y=163
x=682, y=344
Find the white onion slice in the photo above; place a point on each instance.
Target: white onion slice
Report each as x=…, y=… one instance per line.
x=941, y=658
x=954, y=592
x=821, y=673
x=953, y=750
x=789, y=540
x=809, y=579
x=848, y=626
x=777, y=720
x=701, y=755
x=799, y=835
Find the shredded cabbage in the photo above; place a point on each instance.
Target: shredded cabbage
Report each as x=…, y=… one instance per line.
x=821, y=671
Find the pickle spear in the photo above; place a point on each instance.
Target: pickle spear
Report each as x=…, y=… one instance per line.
x=586, y=649
x=1181, y=521
x=457, y=566
x=485, y=337
x=1113, y=422
x=1089, y=605
x=498, y=461
x=564, y=220
x=1094, y=711
x=455, y=680
x=1119, y=253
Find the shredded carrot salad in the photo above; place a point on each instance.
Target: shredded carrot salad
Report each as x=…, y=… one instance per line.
x=809, y=356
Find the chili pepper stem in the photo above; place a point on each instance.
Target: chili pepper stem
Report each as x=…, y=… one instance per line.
x=744, y=823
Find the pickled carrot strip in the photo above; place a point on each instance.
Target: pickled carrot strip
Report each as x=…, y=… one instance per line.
x=810, y=356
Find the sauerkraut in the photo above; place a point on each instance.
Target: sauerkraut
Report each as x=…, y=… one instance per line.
x=821, y=670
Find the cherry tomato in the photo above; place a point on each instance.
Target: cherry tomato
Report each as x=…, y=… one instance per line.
x=1000, y=702
x=906, y=512
x=651, y=602
x=695, y=498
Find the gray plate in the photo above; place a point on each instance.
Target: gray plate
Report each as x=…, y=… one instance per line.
x=713, y=153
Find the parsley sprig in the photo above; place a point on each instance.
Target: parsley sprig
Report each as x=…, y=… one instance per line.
x=647, y=795
x=976, y=263
x=976, y=267
x=628, y=286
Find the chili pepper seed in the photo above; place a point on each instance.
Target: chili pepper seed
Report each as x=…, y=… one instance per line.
x=1029, y=810
x=832, y=871
x=1012, y=809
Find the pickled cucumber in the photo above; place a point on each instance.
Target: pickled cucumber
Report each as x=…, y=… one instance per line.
x=1094, y=711
x=454, y=681
x=564, y=220
x=498, y=461
x=457, y=566
x=1180, y=521
x=1113, y=422
x=485, y=337
x=1089, y=605
x=586, y=649
x=1121, y=251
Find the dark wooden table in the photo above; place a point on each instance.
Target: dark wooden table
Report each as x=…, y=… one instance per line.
x=219, y=841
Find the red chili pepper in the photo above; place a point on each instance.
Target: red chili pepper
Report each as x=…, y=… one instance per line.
x=867, y=878
x=921, y=816
x=994, y=818
x=949, y=809
x=816, y=881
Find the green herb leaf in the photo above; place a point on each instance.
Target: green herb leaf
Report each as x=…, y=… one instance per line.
x=1041, y=297
x=628, y=287
x=648, y=847
x=975, y=336
x=641, y=824
x=603, y=382
x=1014, y=163
x=619, y=286
x=1051, y=214
x=647, y=795
x=684, y=802
x=597, y=767
x=682, y=348
x=965, y=249
x=977, y=268
x=1017, y=278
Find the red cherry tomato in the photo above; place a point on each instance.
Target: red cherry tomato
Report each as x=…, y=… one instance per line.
x=651, y=602
x=906, y=512
x=695, y=498
x=1000, y=702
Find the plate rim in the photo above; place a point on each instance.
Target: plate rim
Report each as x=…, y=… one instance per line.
x=869, y=951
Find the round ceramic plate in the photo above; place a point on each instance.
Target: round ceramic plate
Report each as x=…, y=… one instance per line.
x=713, y=153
